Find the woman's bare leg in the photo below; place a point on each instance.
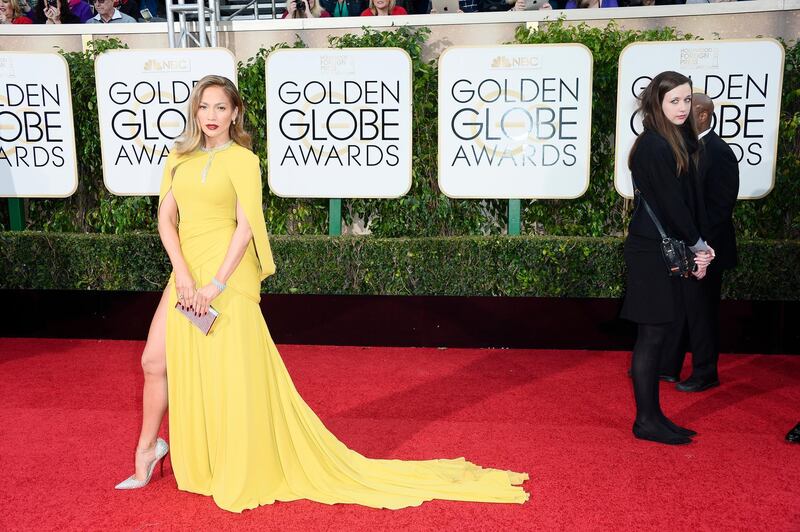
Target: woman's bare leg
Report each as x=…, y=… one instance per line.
x=154, y=395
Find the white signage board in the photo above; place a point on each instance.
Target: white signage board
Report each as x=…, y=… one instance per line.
x=515, y=121
x=37, y=137
x=742, y=77
x=142, y=100
x=339, y=122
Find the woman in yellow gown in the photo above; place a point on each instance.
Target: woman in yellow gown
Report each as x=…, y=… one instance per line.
x=239, y=431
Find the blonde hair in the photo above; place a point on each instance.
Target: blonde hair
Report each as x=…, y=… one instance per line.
x=192, y=138
x=375, y=9
x=14, y=8
x=315, y=11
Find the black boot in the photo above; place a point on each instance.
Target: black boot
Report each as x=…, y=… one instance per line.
x=794, y=434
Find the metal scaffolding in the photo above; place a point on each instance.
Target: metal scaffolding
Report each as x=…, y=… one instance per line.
x=252, y=4
x=205, y=14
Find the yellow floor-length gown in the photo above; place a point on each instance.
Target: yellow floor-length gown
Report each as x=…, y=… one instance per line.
x=239, y=431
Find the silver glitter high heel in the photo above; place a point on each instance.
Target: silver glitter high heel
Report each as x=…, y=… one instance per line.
x=131, y=483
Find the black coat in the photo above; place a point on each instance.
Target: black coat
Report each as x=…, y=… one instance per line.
x=719, y=185
x=130, y=8
x=672, y=198
x=651, y=295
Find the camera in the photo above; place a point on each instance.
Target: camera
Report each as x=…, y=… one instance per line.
x=299, y=5
x=52, y=3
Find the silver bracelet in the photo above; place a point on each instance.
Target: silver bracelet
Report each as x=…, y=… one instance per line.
x=220, y=286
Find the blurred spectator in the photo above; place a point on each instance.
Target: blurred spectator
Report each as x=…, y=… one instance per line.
x=108, y=14
x=81, y=9
x=464, y=6
x=304, y=9
x=11, y=13
x=128, y=7
x=343, y=8
x=151, y=5
x=588, y=4
x=468, y=6
x=416, y=7
x=516, y=5
x=544, y=4
x=707, y=1
x=54, y=12
x=28, y=7
x=383, y=8
x=496, y=5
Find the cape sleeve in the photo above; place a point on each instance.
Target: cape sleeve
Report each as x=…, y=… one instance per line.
x=166, y=177
x=246, y=180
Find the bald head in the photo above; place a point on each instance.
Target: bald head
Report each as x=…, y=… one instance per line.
x=703, y=110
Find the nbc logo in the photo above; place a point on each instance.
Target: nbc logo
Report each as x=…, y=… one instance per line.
x=501, y=62
x=175, y=65
x=523, y=61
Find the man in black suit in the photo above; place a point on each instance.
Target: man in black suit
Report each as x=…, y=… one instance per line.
x=717, y=187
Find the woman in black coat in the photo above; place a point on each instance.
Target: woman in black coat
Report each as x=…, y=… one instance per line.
x=663, y=162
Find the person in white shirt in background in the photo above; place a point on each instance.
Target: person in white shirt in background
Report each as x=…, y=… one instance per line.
x=108, y=14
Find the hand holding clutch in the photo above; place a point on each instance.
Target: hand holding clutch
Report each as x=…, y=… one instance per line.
x=204, y=322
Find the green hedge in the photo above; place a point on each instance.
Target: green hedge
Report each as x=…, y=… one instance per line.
x=465, y=266
x=425, y=211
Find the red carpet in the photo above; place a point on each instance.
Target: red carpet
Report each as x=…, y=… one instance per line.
x=70, y=413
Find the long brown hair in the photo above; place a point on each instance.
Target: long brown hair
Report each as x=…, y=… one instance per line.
x=192, y=137
x=653, y=118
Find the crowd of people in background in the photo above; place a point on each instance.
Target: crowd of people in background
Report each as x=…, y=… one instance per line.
x=122, y=11
x=78, y=11
x=353, y=8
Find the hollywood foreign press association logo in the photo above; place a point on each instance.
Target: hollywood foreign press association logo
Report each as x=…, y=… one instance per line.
x=337, y=64
x=7, y=67
x=168, y=65
x=700, y=57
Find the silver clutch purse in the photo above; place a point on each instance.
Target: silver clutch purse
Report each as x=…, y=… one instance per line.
x=204, y=323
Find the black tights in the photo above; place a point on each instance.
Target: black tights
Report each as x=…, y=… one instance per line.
x=650, y=342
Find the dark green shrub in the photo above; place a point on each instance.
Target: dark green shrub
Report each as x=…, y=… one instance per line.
x=548, y=266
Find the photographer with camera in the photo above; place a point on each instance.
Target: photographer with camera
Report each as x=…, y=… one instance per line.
x=304, y=9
